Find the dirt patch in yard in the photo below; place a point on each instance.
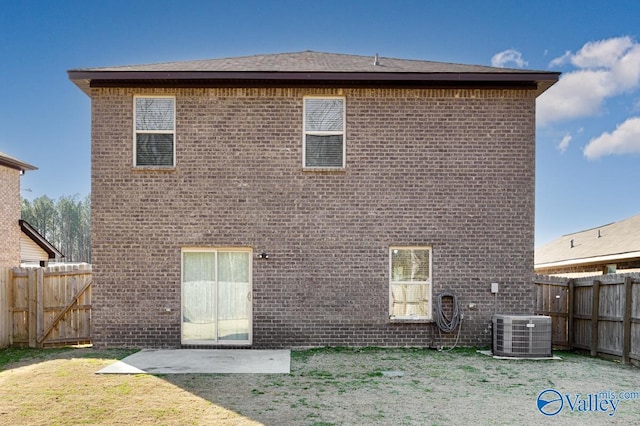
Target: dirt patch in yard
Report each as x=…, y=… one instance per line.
x=326, y=386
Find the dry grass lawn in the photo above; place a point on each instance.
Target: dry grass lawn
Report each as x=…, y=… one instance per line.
x=327, y=386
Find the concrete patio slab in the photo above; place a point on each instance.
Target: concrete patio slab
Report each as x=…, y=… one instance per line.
x=188, y=361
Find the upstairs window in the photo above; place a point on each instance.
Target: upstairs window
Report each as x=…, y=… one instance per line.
x=154, y=122
x=324, y=130
x=410, y=283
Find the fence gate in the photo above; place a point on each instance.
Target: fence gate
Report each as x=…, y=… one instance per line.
x=50, y=306
x=553, y=298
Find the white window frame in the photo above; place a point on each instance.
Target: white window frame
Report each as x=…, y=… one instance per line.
x=428, y=282
x=342, y=133
x=161, y=132
x=216, y=341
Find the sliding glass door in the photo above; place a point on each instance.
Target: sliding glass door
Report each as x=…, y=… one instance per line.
x=216, y=296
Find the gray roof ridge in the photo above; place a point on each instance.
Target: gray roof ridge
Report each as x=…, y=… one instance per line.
x=593, y=228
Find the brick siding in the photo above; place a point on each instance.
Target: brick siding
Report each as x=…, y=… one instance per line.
x=9, y=217
x=450, y=169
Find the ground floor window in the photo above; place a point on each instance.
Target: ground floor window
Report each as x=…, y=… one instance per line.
x=216, y=296
x=410, y=283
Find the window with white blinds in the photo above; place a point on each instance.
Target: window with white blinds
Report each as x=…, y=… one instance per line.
x=154, y=123
x=324, y=130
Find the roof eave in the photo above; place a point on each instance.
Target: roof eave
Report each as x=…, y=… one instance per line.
x=16, y=164
x=41, y=241
x=588, y=260
x=85, y=79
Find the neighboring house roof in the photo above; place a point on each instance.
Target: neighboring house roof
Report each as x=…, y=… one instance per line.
x=11, y=162
x=41, y=241
x=607, y=243
x=309, y=66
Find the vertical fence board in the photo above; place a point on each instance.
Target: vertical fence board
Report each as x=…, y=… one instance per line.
x=58, y=288
x=634, y=350
x=39, y=304
x=552, y=300
x=595, y=310
x=609, y=340
x=20, y=306
x=582, y=316
x=32, y=284
x=610, y=318
x=571, y=313
x=626, y=320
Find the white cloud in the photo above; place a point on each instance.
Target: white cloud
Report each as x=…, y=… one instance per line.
x=564, y=59
x=625, y=139
x=603, y=53
x=564, y=144
x=577, y=94
x=502, y=59
x=605, y=69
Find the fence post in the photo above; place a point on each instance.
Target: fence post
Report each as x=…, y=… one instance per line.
x=572, y=284
x=626, y=321
x=5, y=307
x=595, y=309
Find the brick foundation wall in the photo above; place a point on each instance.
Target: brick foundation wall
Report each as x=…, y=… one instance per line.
x=9, y=217
x=450, y=169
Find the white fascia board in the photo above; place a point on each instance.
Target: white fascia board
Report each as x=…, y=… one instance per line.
x=587, y=260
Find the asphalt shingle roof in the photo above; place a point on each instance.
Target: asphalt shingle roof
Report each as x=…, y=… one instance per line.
x=312, y=66
x=618, y=238
x=310, y=61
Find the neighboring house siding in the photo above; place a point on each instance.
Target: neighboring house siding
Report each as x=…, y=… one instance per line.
x=9, y=216
x=30, y=251
x=449, y=169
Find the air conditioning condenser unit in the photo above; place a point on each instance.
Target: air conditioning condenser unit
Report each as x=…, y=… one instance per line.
x=522, y=336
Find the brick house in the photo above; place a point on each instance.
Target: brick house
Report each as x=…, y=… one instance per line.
x=308, y=199
x=10, y=205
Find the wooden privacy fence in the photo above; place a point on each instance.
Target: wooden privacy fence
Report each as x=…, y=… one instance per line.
x=46, y=306
x=5, y=317
x=599, y=314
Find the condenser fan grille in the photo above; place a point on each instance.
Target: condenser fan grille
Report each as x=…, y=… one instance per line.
x=525, y=336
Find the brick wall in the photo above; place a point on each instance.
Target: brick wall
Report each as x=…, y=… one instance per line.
x=451, y=169
x=9, y=216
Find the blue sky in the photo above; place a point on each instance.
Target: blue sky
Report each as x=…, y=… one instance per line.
x=588, y=132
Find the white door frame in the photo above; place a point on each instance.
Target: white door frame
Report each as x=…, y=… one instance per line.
x=216, y=290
